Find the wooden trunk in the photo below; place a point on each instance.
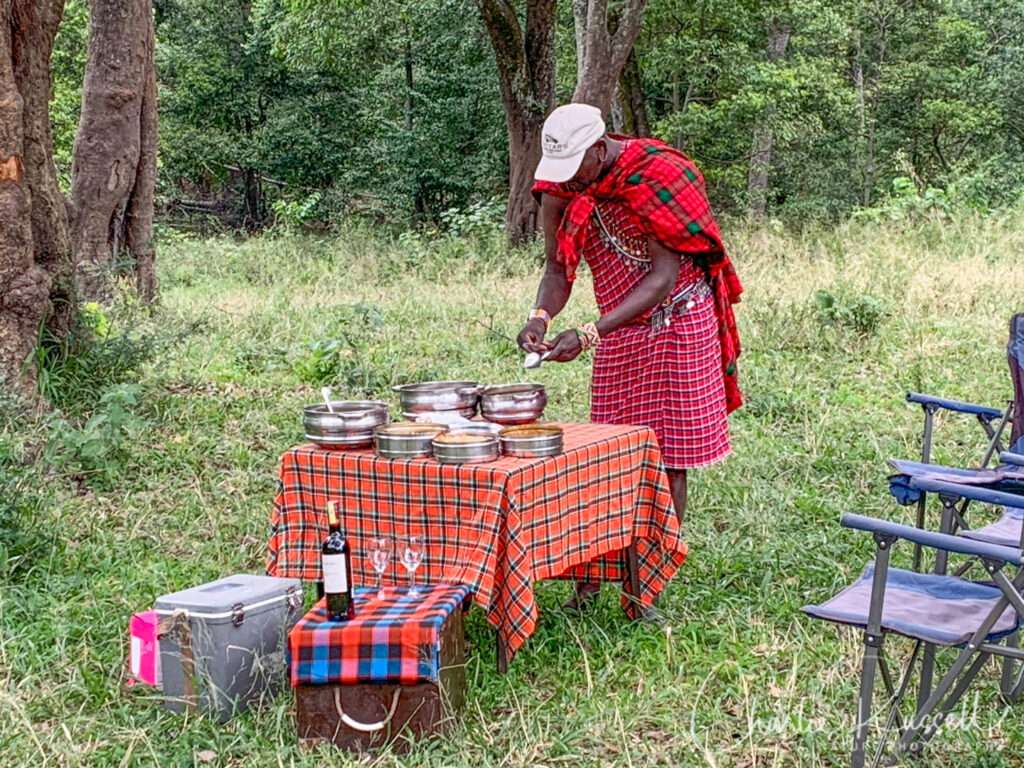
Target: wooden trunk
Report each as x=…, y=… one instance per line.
x=394, y=714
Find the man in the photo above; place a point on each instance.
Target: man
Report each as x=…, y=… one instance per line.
x=665, y=344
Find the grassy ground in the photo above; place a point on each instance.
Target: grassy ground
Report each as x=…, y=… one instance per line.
x=170, y=485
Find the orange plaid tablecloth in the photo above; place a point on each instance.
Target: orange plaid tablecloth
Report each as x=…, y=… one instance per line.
x=496, y=527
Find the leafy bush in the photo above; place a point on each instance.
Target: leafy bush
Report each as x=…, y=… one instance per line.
x=106, y=346
x=292, y=214
x=102, y=446
x=485, y=217
x=349, y=357
x=862, y=314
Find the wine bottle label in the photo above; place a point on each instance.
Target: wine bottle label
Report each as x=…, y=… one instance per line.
x=335, y=574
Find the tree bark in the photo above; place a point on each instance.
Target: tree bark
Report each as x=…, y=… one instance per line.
x=108, y=166
x=36, y=23
x=26, y=38
x=526, y=77
x=603, y=55
x=139, y=239
x=764, y=132
x=635, y=121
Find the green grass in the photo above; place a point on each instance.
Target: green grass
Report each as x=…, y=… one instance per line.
x=738, y=677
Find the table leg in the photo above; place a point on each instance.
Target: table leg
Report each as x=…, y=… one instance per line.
x=633, y=574
x=499, y=646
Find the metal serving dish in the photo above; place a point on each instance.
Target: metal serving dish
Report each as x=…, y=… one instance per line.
x=530, y=441
x=432, y=396
x=465, y=448
x=513, y=403
x=406, y=439
x=484, y=428
x=351, y=424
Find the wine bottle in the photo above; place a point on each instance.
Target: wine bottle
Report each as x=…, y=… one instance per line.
x=337, y=570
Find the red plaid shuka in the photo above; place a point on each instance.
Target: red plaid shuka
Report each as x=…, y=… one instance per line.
x=663, y=192
x=394, y=640
x=497, y=527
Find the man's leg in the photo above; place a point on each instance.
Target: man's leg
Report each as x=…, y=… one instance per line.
x=677, y=482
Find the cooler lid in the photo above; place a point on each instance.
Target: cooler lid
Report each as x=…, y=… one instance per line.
x=223, y=598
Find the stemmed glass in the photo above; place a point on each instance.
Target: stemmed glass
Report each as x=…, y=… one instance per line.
x=380, y=558
x=411, y=555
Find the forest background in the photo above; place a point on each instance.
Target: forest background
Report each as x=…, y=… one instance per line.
x=306, y=112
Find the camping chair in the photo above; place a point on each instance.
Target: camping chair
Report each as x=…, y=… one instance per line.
x=936, y=611
x=1013, y=415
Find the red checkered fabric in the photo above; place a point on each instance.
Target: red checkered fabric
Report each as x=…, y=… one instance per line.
x=496, y=527
x=673, y=382
x=391, y=640
x=663, y=192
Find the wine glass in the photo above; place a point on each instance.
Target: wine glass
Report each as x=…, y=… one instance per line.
x=411, y=555
x=380, y=558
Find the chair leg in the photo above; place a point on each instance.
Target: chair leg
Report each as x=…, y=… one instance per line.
x=872, y=646
x=1011, y=683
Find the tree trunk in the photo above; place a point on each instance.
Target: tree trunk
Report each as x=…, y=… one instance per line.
x=635, y=121
x=603, y=55
x=26, y=39
x=51, y=245
x=108, y=167
x=140, y=208
x=526, y=76
x=764, y=134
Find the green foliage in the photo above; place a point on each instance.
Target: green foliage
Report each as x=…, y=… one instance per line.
x=290, y=215
x=104, y=445
x=107, y=346
x=352, y=356
x=67, y=69
x=860, y=313
x=482, y=218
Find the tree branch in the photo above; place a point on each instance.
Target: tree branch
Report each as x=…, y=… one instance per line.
x=629, y=27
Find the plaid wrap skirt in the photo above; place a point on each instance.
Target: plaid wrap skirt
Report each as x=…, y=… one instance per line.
x=671, y=383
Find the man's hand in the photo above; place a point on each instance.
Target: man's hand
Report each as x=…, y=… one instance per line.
x=565, y=347
x=531, y=338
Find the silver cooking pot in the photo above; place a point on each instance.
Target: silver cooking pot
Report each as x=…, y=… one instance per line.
x=432, y=396
x=513, y=403
x=350, y=425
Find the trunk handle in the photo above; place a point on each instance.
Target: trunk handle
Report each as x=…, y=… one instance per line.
x=366, y=727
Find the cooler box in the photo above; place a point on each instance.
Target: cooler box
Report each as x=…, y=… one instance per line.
x=394, y=672
x=222, y=644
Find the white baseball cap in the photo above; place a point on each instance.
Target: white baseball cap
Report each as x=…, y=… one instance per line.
x=568, y=132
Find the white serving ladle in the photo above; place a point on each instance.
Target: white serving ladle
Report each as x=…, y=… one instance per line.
x=325, y=392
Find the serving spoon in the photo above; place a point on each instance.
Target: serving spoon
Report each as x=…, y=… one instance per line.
x=325, y=392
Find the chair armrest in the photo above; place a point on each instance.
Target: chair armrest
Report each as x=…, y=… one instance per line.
x=954, y=405
x=934, y=540
x=1012, y=458
x=972, y=492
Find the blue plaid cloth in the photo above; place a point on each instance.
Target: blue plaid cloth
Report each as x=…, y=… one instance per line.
x=394, y=640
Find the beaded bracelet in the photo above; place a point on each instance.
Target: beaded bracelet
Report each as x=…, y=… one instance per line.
x=589, y=337
x=543, y=314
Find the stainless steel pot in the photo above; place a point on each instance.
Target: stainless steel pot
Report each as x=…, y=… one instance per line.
x=406, y=440
x=531, y=441
x=350, y=425
x=465, y=448
x=432, y=396
x=513, y=403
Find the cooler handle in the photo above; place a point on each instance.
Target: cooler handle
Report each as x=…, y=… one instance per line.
x=366, y=727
